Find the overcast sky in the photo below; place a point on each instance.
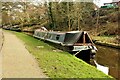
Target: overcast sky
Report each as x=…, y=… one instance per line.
x=97, y=2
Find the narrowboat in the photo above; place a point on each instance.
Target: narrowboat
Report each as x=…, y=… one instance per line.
x=78, y=42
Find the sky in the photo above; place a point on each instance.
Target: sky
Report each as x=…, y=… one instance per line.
x=99, y=3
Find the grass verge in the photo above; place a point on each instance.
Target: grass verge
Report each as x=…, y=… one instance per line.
x=59, y=64
x=109, y=41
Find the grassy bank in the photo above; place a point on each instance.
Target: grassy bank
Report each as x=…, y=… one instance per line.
x=58, y=64
x=109, y=39
x=106, y=41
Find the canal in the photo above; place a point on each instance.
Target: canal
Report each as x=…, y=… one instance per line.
x=109, y=57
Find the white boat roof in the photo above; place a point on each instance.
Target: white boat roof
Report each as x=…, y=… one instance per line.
x=73, y=31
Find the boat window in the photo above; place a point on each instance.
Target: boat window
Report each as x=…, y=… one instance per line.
x=57, y=37
x=48, y=36
x=42, y=34
x=38, y=34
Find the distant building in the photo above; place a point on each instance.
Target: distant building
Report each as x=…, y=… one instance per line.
x=106, y=3
x=113, y=4
x=117, y=2
x=100, y=3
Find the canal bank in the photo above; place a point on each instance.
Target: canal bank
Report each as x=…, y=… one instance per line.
x=111, y=64
x=59, y=64
x=109, y=41
x=112, y=45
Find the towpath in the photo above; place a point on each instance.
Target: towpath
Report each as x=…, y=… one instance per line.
x=17, y=62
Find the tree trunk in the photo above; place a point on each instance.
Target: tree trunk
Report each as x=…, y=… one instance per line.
x=69, y=28
x=50, y=14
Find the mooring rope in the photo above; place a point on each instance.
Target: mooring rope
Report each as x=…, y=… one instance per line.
x=77, y=52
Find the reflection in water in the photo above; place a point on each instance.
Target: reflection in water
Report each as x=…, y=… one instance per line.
x=102, y=68
x=109, y=57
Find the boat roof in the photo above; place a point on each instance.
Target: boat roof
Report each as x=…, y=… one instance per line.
x=59, y=32
x=74, y=31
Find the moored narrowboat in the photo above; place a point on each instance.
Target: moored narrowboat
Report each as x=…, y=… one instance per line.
x=78, y=42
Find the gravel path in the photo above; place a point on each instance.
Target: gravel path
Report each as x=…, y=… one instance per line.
x=17, y=61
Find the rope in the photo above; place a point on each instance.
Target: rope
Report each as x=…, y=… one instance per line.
x=77, y=52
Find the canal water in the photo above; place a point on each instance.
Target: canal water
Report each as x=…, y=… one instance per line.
x=109, y=57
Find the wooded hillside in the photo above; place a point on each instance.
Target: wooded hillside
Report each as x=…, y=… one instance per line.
x=64, y=16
